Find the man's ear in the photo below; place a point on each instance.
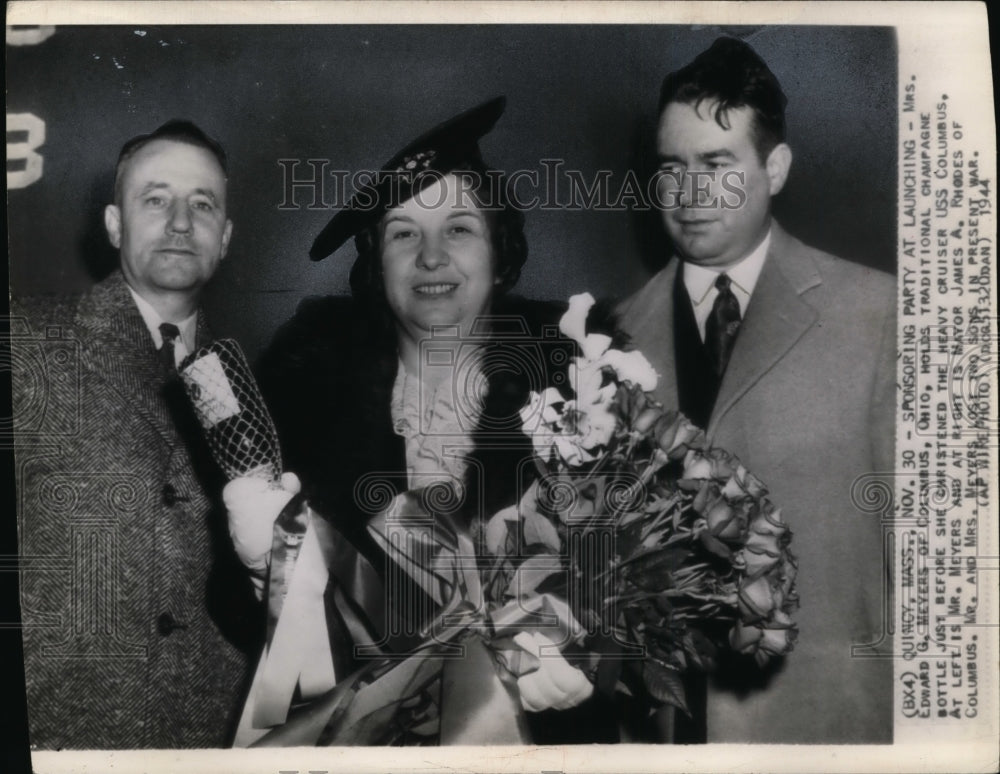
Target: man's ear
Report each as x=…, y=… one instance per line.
x=779, y=161
x=227, y=233
x=113, y=224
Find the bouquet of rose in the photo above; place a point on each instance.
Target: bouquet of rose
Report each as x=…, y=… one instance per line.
x=635, y=553
x=667, y=550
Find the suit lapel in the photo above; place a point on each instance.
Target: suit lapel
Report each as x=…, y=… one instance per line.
x=120, y=351
x=649, y=319
x=776, y=319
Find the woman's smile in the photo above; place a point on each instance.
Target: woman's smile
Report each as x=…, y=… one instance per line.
x=435, y=289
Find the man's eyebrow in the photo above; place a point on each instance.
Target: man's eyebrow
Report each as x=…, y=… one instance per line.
x=158, y=186
x=718, y=153
x=154, y=186
x=206, y=192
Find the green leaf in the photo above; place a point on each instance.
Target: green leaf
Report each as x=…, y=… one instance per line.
x=654, y=570
x=498, y=529
x=627, y=539
x=540, y=531
x=533, y=571
x=658, y=558
x=556, y=583
x=629, y=517
x=715, y=545
x=701, y=651
x=664, y=684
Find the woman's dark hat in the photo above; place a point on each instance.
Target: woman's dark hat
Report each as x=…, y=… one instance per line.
x=438, y=152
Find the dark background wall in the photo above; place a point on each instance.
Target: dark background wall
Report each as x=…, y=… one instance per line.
x=353, y=95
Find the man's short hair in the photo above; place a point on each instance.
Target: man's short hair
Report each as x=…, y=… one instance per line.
x=176, y=130
x=732, y=75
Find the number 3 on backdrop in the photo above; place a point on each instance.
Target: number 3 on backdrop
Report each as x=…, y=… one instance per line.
x=25, y=131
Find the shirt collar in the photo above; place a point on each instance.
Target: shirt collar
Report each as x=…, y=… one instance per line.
x=188, y=327
x=699, y=280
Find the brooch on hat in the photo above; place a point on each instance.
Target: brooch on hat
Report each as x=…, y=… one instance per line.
x=420, y=160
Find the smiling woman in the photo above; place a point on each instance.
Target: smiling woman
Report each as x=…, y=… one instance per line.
x=437, y=245
x=410, y=392
x=437, y=263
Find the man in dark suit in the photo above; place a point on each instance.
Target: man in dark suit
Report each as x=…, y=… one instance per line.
x=786, y=356
x=117, y=536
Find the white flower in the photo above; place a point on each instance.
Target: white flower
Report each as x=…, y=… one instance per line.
x=574, y=325
x=574, y=321
x=571, y=452
x=586, y=380
x=628, y=366
x=574, y=429
x=631, y=367
x=542, y=420
x=598, y=426
x=541, y=410
x=550, y=399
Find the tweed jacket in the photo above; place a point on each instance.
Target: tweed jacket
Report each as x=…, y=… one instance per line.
x=807, y=403
x=121, y=604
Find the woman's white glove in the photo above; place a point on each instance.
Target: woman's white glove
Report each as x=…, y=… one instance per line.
x=555, y=684
x=253, y=504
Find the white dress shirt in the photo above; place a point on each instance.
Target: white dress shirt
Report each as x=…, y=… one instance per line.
x=700, y=282
x=185, y=343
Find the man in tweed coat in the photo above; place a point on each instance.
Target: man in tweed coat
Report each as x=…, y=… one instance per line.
x=124, y=577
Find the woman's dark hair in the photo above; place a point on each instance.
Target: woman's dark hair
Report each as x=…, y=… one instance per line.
x=504, y=221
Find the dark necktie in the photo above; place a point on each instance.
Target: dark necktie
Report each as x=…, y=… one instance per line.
x=722, y=325
x=170, y=332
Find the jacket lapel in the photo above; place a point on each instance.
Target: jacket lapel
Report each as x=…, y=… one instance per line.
x=776, y=319
x=120, y=351
x=649, y=320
